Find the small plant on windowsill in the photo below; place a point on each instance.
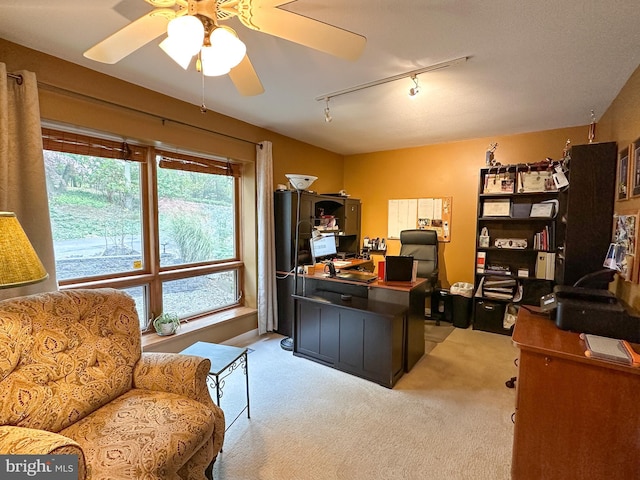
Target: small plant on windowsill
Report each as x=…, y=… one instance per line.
x=166, y=324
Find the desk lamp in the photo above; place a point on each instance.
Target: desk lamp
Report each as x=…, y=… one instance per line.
x=19, y=262
x=300, y=183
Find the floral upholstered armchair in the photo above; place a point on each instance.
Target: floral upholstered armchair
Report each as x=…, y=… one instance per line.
x=73, y=380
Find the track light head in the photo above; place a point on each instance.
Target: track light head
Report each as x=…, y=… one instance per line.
x=413, y=91
x=327, y=113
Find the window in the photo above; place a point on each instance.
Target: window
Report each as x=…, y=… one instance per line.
x=96, y=214
x=161, y=226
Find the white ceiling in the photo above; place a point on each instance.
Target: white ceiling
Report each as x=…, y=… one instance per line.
x=533, y=66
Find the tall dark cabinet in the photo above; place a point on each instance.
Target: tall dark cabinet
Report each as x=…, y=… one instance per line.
x=577, y=235
x=587, y=205
x=346, y=212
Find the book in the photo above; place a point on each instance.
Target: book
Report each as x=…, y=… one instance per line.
x=499, y=282
x=541, y=265
x=480, y=261
x=497, y=269
x=498, y=295
x=610, y=349
x=550, y=269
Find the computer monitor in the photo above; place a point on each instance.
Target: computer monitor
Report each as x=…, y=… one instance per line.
x=323, y=247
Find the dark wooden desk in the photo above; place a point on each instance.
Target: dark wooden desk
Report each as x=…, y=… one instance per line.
x=576, y=417
x=285, y=281
x=359, y=336
x=407, y=294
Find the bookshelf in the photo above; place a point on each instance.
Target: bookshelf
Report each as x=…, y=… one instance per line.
x=540, y=234
x=510, y=260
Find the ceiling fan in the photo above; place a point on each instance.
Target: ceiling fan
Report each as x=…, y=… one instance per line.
x=181, y=19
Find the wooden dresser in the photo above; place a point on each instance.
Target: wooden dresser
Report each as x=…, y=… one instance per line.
x=575, y=417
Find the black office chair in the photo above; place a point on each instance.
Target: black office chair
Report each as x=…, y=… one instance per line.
x=422, y=245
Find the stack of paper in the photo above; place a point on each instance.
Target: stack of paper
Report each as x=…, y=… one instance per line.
x=499, y=288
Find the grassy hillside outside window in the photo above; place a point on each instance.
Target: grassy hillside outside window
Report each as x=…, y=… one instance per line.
x=162, y=229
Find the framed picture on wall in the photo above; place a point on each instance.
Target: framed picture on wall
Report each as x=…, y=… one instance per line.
x=635, y=168
x=625, y=239
x=623, y=175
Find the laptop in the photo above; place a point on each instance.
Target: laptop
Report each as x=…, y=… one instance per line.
x=362, y=277
x=398, y=268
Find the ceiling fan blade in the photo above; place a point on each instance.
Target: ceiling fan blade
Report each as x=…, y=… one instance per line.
x=304, y=31
x=245, y=78
x=130, y=38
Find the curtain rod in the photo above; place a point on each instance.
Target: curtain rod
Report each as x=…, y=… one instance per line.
x=16, y=77
x=71, y=93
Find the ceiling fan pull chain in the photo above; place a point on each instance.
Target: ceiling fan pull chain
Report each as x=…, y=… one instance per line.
x=203, y=107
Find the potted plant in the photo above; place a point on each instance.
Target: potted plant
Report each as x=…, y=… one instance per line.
x=166, y=323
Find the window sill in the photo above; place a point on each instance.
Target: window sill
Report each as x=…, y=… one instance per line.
x=153, y=339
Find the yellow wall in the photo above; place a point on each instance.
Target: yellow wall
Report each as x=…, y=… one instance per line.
x=436, y=170
x=290, y=156
x=621, y=123
x=450, y=169
x=58, y=105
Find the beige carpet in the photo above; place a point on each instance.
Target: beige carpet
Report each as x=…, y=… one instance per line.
x=449, y=418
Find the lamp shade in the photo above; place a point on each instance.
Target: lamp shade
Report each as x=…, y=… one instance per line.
x=300, y=182
x=213, y=62
x=188, y=31
x=19, y=262
x=225, y=51
x=173, y=48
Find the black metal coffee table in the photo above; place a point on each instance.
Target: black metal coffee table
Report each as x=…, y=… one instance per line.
x=224, y=360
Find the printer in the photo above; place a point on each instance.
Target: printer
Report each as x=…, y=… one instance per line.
x=594, y=311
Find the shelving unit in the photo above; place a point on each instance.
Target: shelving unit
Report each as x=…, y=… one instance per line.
x=579, y=230
x=345, y=210
x=517, y=261
x=346, y=213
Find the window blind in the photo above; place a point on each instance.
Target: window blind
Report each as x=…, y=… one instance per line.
x=59, y=141
x=181, y=161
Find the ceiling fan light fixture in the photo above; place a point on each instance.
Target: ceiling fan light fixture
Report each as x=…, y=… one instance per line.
x=231, y=49
x=213, y=62
x=188, y=32
x=176, y=52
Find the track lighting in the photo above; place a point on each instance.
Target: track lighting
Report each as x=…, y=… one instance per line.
x=412, y=74
x=327, y=113
x=413, y=91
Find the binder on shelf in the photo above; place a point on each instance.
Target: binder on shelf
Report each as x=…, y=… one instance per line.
x=499, y=288
x=546, y=265
x=497, y=269
x=480, y=261
x=520, y=210
x=541, y=265
x=551, y=266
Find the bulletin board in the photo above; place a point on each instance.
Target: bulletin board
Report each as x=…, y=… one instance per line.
x=431, y=213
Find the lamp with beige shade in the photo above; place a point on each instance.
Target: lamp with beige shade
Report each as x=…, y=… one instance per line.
x=19, y=262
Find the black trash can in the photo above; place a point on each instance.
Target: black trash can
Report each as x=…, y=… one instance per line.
x=441, y=305
x=461, y=294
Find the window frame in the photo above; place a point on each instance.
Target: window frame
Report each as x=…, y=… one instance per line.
x=152, y=275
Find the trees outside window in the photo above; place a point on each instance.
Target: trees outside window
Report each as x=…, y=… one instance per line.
x=163, y=228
